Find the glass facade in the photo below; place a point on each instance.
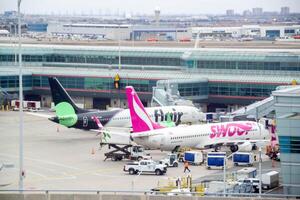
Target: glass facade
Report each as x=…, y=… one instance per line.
x=94, y=83
x=192, y=89
x=93, y=59
x=185, y=61
x=10, y=83
x=287, y=128
x=241, y=89
x=249, y=65
x=289, y=144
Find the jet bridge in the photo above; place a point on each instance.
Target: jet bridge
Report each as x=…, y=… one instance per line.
x=179, y=92
x=257, y=109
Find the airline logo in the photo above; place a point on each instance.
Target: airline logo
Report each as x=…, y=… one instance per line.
x=230, y=130
x=139, y=118
x=159, y=115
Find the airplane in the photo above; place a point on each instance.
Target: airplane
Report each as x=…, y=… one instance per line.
x=70, y=115
x=237, y=135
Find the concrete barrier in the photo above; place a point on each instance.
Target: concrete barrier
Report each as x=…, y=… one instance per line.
x=34, y=196
x=61, y=196
x=12, y=196
x=87, y=197
x=122, y=197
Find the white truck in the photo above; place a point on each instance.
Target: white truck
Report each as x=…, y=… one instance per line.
x=145, y=166
x=131, y=152
x=270, y=180
x=170, y=161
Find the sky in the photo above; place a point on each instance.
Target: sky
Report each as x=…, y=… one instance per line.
x=187, y=7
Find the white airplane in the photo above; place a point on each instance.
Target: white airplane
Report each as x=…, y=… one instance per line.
x=68, y=114
x=239, y=135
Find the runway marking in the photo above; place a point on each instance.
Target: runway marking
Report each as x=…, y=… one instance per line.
x=42, y=161
x=103, y=175
x=45, y=168
x=36, y=173
x=72, y=175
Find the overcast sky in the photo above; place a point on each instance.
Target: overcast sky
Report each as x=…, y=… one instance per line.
x=144, y=6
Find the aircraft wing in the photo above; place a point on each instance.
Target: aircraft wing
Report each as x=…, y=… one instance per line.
x=144, y=134
x=241, y=142
x=114, y=136
x=40, y=114
x=258, y=143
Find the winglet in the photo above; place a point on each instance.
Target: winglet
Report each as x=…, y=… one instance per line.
x=139, y=118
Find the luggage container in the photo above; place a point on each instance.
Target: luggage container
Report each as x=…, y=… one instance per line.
x=194, y=157
x=243, y=158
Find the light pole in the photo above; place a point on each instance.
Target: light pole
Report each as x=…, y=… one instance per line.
x=15, y=29
x=260, y=176
x=21, y=170
x=119, y=44
x=224, y=174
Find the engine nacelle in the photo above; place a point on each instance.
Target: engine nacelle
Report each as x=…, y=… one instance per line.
x=246, y=146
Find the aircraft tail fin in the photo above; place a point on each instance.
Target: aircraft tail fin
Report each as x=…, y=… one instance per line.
x=139, y=118
x=59, y=95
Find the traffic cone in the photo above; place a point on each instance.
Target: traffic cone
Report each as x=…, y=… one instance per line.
x=93, y=151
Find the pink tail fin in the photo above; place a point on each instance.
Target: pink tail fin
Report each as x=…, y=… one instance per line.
x=139, y=118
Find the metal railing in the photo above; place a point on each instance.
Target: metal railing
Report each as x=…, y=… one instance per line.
x=149, y=192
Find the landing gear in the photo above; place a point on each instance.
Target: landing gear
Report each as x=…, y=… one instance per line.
x=234, y=148
x=176, y=149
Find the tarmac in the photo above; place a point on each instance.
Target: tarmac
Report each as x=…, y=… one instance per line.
x=57, y=157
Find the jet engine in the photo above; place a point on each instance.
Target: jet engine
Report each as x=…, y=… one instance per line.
x=246, y=146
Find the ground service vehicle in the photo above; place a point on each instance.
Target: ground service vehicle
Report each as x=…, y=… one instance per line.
x=253, y=181
x=126, y=152
x=270, y=180
x=245, y=173
x=194, y=157
x=215, y=159
x=242, y=158
x=170, y=161
x=145, y=166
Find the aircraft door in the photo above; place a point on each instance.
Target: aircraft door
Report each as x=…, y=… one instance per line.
x=162, y=141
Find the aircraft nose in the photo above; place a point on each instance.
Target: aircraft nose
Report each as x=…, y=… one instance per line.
x=54, y=119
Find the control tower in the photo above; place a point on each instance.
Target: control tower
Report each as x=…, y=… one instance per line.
x=157, y=15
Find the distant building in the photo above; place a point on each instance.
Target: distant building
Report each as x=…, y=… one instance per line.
x=285, y=11
x=157, y=15
x=248, y=31
x=115, y=32
x=257, y=11
x=99, y=31
x=247, y=13
x=10, y=13
x=37, y=27
x=230, y=12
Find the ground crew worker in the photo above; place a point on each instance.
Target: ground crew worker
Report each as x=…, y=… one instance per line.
x=186, y=166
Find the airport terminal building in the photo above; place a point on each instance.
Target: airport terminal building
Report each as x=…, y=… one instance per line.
x=211, y=78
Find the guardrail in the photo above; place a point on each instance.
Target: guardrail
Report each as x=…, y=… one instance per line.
x=138, y=194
